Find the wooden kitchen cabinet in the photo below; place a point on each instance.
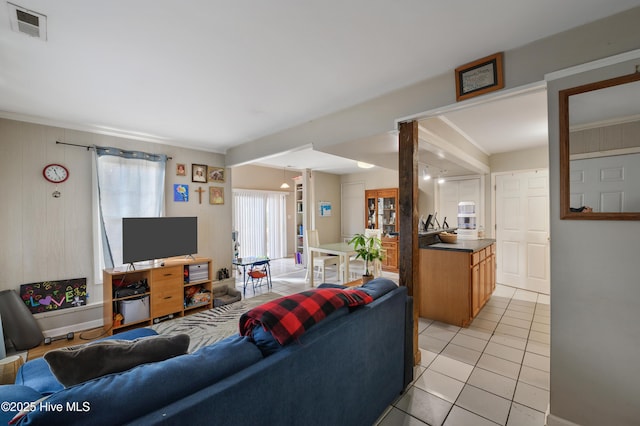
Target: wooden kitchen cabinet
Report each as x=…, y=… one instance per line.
x=390, y=261
x=456, y=283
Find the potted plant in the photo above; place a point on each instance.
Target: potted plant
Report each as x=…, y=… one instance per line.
x=369, y=250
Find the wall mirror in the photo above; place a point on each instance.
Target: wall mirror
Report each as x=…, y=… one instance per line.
x=600, y=150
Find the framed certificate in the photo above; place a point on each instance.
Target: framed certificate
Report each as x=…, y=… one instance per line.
x=479, y=77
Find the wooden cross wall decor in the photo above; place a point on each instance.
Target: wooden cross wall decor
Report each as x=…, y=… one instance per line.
x=200, y=191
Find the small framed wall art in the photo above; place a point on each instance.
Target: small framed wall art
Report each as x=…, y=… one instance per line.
x=216, y=174
x=180, y=192
x=479, y=77
x=216, y=195
x=325, y=208
x=199, y=173
x=181, y=170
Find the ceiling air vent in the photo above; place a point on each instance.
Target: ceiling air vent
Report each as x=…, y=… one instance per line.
x=27, y=21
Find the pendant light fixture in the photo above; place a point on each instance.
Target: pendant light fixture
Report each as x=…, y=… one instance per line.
x=284, y=185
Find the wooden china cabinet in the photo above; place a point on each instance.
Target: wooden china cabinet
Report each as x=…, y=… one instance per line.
x=381, y=212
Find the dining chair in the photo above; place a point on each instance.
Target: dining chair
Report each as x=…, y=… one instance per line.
x=320, y=261
x=258, y=272
x=373, y=233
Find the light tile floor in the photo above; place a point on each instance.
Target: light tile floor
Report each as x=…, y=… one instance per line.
x=496, y=371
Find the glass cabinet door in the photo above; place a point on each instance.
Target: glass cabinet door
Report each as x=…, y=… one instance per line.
x=387, y=214
x=371, y=213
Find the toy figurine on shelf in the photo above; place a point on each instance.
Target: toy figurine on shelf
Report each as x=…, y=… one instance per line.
x=117, y=320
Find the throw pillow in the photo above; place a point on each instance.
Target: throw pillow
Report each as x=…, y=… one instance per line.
x=77, y=364
x=331, y=285
x=264, y=341
x=378, y=287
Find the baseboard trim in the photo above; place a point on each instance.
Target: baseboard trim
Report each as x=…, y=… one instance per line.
x=558, y=421
x=54, y=332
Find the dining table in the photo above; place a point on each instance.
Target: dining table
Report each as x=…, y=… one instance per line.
x=343, y=250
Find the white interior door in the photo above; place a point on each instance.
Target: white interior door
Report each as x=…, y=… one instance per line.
x=522, y=230
x=606, y=184
x=352, y=219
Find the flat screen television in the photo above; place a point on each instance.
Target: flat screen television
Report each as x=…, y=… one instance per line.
x=151, y=238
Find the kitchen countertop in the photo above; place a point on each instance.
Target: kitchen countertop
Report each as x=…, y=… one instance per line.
x=470, y=246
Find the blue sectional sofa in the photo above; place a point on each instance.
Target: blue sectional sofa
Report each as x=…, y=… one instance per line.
x=344, y=371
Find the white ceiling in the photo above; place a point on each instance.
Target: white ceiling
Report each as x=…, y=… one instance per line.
x=506, y=124
x=307, y=158
x=212, y=74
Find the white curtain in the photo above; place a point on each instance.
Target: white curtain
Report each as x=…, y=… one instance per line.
x=129, y=184
x=261, y=221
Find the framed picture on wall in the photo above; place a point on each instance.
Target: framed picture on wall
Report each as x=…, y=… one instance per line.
x=479, y=77
x=181, y=170
x=199, y=173
x=216, y=174
x=216, y=195
x=180, y=193
x=325, y=208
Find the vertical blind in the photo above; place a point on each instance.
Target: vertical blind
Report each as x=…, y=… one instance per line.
x=260, y=218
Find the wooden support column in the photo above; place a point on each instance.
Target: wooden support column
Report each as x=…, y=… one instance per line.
x=408, y=258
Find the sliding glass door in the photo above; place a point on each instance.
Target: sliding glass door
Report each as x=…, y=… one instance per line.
x=260, y=219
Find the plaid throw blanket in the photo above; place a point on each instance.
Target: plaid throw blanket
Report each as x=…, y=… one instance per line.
x=288, y=317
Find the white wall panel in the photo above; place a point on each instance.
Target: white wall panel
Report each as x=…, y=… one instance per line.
x=594, y=292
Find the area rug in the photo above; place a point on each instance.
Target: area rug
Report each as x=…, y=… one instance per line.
x=212, y=325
